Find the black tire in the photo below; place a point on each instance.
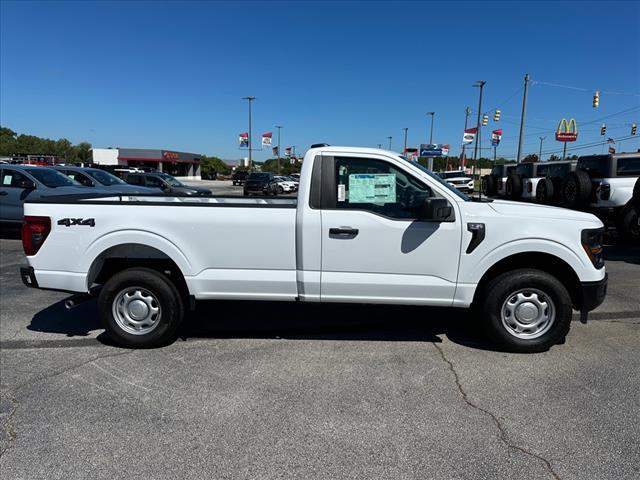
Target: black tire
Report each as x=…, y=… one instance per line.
x=280, y=190
x=488, y=185
x=163, y=293
x=628, y=226
x=557, y=190
x=503, y=287
x=544, y=191
x=245, y=193
x=513, y=187
x=576, y=189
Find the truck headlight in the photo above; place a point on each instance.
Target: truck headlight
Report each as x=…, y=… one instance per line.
x=605, y=191
x=592, y=244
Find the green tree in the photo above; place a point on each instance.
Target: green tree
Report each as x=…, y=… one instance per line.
x=212, y=166
x=286, y=167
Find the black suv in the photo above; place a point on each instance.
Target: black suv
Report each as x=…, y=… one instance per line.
x=261, y=183
x=164, y=182
x=239, y=178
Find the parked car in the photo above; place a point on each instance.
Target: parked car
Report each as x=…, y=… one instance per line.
x=21, y=182
x=458, y=179
x=604, y=184
x=165, y=183
x=368, y=226
x=285, y=185
x=493, y=185
x=94, y=177
x=261, y=183
x=239, y=177
x=549, y=181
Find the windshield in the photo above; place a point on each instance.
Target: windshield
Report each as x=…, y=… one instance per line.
x=52, y=178
x=105, y=178
x=170, y=180
x=438, y=179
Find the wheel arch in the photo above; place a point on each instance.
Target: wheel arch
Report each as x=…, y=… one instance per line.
x=117, y=258
x=545, y=262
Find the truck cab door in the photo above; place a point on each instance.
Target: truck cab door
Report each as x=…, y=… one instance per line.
x=375, y=247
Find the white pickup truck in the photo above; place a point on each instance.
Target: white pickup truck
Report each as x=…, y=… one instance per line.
x=367, y=226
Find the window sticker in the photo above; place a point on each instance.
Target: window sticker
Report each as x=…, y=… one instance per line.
x=372, y=188
x=6, y=180
x=341, y=193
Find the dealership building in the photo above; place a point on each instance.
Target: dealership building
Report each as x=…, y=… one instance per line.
x=182, y=165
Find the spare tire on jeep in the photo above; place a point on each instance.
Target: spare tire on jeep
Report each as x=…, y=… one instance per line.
x=513, y=188
x=544, y=191
x=576, y=189
x=489, y=186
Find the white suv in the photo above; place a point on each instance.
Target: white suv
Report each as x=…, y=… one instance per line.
x=604, y=184
x=458, y=179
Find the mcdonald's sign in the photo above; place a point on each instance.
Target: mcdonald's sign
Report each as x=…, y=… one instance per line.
x=567, y=131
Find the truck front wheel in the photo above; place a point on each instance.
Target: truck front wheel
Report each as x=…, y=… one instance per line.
x=140, y=308
x=527, y=310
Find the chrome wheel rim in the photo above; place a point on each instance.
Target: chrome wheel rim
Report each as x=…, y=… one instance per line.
x=136, y=310
x=528, y=313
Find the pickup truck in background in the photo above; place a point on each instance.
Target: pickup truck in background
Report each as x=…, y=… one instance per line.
x=367, y=226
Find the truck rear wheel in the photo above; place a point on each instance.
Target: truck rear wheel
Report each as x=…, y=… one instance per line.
x=527, y=310
x=140, y=308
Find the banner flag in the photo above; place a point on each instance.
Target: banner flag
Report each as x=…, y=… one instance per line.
x=287, y=151
x=244, y=139
x=612, y=150
x=275, y=151
x=496, y=136
x=445, y=149
x=469, y=135
x=266, y=139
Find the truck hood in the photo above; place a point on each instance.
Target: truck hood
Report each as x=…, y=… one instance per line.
x=528, y=210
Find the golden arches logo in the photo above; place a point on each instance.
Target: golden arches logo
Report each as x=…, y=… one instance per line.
x=567, y=130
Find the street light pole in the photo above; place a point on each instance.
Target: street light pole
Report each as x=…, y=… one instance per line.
x=389, y=142
x=404, y=152
x=249, y=99
x=540, y=154
x=278, y=127
x=430, y=159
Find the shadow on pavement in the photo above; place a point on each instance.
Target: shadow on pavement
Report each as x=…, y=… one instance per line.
x=625, y=253
x=293, y=321
x=77, y=322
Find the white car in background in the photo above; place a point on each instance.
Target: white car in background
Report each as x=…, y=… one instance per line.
x=285, y=184
x=458, y=179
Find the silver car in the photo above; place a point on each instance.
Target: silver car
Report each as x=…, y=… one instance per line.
x=19, y=182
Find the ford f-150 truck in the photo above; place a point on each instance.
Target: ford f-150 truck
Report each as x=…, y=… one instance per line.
x=367, y=226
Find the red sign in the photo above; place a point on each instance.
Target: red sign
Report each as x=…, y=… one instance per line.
x=170, y=156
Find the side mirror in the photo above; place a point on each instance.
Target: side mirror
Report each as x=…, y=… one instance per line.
x=27, y=184
x=436, y=209
x=164, y=186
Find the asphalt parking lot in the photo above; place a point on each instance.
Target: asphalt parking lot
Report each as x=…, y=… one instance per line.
x=272, y=390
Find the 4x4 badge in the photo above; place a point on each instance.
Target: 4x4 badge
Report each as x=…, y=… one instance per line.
x=67, y=222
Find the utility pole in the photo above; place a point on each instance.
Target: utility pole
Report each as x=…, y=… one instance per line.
x=430, y=159
x=480, y=84
x=524, y=111
x=249, y=99
x=467, y=111
x=404, y=152
x=540, y=154
x=380, y=146
x=389, y=142
x=278, y=127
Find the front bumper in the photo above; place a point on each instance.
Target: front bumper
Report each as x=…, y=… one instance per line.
x=593, y=294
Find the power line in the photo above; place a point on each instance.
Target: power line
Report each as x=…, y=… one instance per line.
x=607, y=92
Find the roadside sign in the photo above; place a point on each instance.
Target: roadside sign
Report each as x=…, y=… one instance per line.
x=567, y=131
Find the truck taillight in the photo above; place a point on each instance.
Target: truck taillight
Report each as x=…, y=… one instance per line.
x=34, y=232
x=529, y=187
x=605, y=191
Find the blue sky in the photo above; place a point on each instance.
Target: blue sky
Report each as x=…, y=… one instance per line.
x=171, y=75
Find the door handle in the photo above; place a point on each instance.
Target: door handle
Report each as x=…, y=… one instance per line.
x=343, y=232
x=3, y=193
